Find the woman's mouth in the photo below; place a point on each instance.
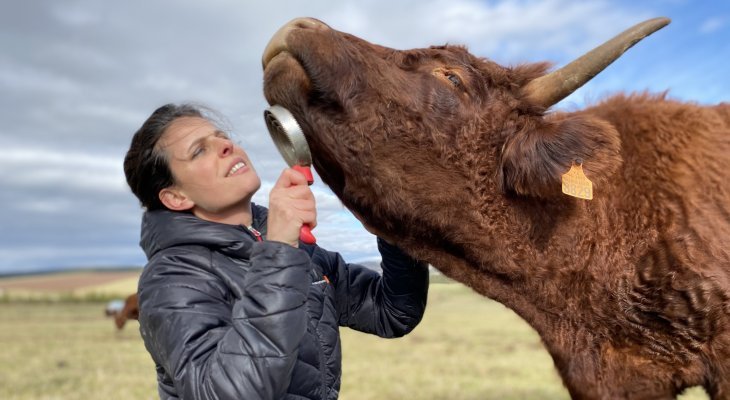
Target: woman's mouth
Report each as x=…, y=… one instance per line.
x=236, y=167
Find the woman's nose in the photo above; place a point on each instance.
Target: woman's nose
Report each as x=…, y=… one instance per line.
x=225, y=148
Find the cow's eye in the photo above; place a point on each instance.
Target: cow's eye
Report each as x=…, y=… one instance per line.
x=453, y=78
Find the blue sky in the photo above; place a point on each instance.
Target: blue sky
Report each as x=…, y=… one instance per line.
x=77, y=78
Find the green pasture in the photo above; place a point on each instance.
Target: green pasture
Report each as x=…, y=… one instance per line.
x=467, y=347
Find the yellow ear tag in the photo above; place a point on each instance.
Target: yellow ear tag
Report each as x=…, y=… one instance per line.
x=577, y=184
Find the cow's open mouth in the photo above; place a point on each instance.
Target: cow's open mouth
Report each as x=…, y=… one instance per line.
x=287, y=81
x=279, y=55
x=284, y=62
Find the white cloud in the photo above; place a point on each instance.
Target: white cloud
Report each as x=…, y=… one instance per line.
x=26, y=78
x=713, y=24
x=46, y=168
x=76, y=15
x=79, y=78
x=506, y=30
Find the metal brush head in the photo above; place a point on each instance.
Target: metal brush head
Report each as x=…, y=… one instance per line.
x=288, y=136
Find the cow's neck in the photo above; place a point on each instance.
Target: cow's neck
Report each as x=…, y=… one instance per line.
x=527, y=255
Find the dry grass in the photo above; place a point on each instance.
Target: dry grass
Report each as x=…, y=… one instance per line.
x=70, y=351
x=467, y=347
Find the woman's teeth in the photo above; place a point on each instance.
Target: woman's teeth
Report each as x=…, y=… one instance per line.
x=236, y=167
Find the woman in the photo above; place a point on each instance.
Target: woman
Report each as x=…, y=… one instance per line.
x=232, y=305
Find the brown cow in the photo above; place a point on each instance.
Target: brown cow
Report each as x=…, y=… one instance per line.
x=122, y=313
x=456, y=159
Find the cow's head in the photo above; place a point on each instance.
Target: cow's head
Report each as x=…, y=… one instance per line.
x=398, y=134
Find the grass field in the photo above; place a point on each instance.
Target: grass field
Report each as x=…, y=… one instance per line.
x=467, y=347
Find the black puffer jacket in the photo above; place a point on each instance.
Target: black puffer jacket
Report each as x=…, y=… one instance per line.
x=225, y=316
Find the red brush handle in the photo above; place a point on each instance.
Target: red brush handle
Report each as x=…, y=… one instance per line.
x=306, y=171
x=305, y=233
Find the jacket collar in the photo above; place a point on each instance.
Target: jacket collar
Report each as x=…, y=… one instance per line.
x=162, y=229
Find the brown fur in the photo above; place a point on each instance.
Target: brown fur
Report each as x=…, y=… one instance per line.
x=630, y=292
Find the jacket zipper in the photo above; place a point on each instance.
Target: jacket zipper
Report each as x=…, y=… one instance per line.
x=322, y=365
x=256, y=234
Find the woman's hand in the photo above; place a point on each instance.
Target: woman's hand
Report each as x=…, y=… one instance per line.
x=291, y=204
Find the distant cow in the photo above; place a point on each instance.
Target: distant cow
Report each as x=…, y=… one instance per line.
x=123, y=311
x=457, y=159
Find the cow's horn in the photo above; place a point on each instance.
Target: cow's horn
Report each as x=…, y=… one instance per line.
x=557, y=85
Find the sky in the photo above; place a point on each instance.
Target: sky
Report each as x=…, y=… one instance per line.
x=78, y=77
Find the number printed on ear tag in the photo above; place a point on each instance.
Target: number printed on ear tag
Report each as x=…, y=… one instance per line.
x=577, y=184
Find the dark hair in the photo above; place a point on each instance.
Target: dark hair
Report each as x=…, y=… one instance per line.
x=145, y=165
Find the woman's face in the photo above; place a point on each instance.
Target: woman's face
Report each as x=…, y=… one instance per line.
x=212, y=175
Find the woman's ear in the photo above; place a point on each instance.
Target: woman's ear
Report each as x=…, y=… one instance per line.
x=534, y=159
x=175, y=200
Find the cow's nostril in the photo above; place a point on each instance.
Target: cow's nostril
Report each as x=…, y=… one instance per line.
x=278, y=42
x=309, y=23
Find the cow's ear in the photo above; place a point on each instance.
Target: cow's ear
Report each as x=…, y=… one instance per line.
x=534, y=159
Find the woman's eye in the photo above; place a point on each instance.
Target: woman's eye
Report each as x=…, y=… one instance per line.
x=198, y=151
